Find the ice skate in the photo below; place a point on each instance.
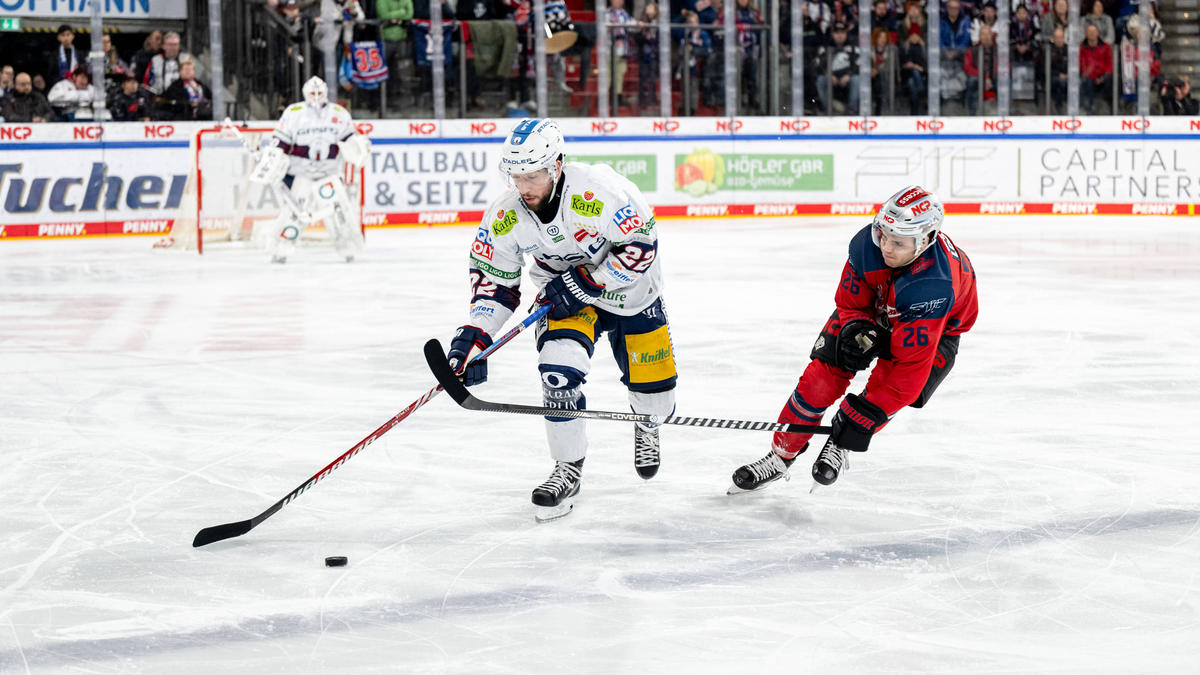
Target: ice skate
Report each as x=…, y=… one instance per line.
x=556, y=497
x=756, y=474
x=645, y=451
x=831, y=463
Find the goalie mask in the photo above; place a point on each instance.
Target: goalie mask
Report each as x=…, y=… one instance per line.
x=316, y=94
x=912, y=213
x=533, y=145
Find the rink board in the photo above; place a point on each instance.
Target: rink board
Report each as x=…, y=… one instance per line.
x=88, y=180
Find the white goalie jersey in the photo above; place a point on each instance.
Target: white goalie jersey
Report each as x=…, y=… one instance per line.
x=603, y=223
x=311, y=137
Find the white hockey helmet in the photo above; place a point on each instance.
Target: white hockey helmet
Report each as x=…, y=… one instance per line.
x=532, y=145
x=316, y=93
x=912, y=212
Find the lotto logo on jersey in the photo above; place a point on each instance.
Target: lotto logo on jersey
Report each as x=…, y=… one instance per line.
x=627, y=219
x=586, y=205
x=482, y=246
x=504, y=222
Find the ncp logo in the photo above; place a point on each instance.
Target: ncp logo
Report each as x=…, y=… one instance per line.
x=1066, y=125
x=422, y=128
x=931, y=126
x=159, y=130
x=88, y=131
x=729, y=125
x=604, y=126
x=665, y=126
x=794, y=126
x=364, y=128
x=997, y=125
x=861, y=125
x=483, y=128
x=15, y=133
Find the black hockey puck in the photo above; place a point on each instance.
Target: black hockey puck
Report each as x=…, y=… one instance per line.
x=335, y=561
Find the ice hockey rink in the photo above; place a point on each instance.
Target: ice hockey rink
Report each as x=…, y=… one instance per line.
x=1041, y=514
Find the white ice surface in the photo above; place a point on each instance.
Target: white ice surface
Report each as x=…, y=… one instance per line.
x=1040, y=515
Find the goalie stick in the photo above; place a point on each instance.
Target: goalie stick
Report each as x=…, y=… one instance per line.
x=236, y=529
x=435, y=356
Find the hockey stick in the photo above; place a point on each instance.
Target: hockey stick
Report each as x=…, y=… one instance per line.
x=229, y=530
x=436, y=358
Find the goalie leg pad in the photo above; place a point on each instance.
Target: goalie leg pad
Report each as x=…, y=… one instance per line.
x=563, y=365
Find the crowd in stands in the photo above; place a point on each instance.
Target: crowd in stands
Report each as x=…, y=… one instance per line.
x=159, y=82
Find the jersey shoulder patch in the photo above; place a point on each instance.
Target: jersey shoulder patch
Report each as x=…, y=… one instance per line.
x=296, y=108
x=337, y=109
x=926, y=288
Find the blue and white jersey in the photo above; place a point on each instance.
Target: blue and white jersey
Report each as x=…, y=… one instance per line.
x=603, y=223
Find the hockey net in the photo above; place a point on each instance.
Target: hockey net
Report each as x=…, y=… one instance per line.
x=221, y=208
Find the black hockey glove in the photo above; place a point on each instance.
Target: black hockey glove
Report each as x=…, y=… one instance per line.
x=570, y=292
x=859, y=342
x=857, y=419
x=467, y=342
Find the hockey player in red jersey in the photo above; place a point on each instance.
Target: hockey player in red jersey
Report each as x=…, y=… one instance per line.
x=906, y=295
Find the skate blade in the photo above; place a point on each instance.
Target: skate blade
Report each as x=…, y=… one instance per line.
x=735, y=490
x=544, y=514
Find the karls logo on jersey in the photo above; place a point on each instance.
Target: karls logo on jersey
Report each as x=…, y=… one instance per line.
x=627, y=219
x=482, y=246
x=504, y=222
x=586, y=205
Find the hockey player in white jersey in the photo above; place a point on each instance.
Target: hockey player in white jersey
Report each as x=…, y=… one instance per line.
x=304, y=168
x=594, y=247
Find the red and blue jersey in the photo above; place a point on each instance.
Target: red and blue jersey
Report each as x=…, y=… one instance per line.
x=931, y=297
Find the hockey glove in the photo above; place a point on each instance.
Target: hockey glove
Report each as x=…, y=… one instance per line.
x=468, y=342
x=859, y=342
x=857, y=419
x=570, y=292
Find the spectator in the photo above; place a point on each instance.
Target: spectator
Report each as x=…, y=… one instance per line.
x=6, y=80
x=979, y=63
x=113, y=64
x=883, y=18
x=24, y=103
x=647, y=46
x=1058, y=68
x=72, y=98
x=133, y=103
x=955, y=41
x=1176, y=97
x=846, y=14
x=66, y=57
x=187, y=98
x=621, y=49
x=750, y=42
x=914, y=16
x=1023, y=33
x=986, y=18
x=1058, y=17
x=393, y=15
x=1129, y=61
x=881, y=41
x=152, y=46
x=912, y=68
x=1102, y=21
x=842, y=57
x=39, y=84
x=164, y=68
x=1156, y=31
x=697, y=45
x=1095, y=69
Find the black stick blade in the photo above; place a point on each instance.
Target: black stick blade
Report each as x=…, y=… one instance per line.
x=435, y=356
x=220, y=532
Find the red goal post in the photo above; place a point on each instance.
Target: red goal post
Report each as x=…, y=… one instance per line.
x=220, y=206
